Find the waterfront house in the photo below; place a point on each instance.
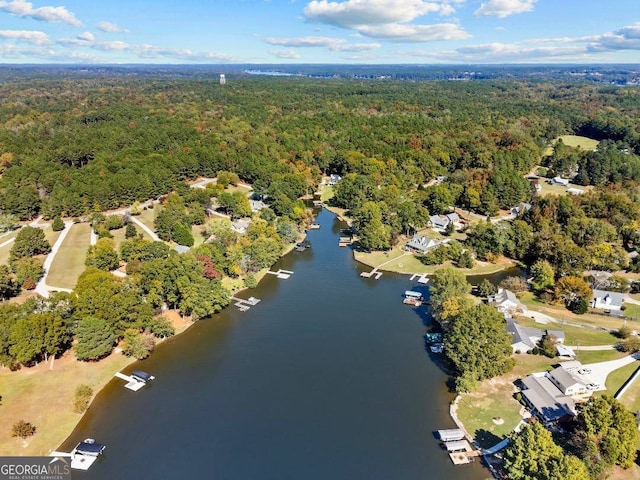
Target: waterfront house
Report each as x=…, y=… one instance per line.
x=506, y=302
x=257, y=205
x=607, y=300
x=545, y=400
x=240, y=226
x=523, y=339
x=441, y=222
x=422, y=244
x=560, y=181
x=334, y=179
x=567, y=381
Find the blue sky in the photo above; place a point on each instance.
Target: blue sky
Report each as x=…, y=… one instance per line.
x=320, y=31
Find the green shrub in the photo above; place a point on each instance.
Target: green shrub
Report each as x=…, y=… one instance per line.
x=82, y=398
x=57, y=224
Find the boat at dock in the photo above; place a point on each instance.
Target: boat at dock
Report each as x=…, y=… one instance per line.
x=413, y=298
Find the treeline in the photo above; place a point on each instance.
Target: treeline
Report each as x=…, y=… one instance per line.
x=71, y=147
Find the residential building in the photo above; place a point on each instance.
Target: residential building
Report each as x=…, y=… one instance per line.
x=422, y=244
x=607, y=300
x=560, y=181
x=506, y=302
x=567, y=381
x=545, y=400
x=440, y=222
x=334, y=178
x=521, y=209
x=240, y=226
x=523, y=339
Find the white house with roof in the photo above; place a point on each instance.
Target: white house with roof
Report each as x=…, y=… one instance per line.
x=440, y=222
x=422, y=244
x=607, y=300
x=545, y=400
x=560, y=181
x=567, y=381
x=334, y=178
x=521, y=209
x=523, y=339
x=506, y=302
x=240, y=226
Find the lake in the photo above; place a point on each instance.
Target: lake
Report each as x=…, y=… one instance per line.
x=326, y=378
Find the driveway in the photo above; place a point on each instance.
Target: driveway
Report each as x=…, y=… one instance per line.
x=598, y=372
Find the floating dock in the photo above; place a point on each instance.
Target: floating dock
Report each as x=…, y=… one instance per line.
x=461, y=452
x=283, y=274
x=83, y=455
x=245, y=304
x=373, y=273
x=421, y=278
x=136, y=380
x=314, y=226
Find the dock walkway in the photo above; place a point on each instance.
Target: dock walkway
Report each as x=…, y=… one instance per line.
x=132, y=383
x=245, y=304
x=283, y=274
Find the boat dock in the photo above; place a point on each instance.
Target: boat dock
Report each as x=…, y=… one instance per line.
x=283, y=274
x=83, y=455
x=460, y=450
x=136, y=380
x=373, y=273
x=314, y=226
x=421, y=278
x=245, y=304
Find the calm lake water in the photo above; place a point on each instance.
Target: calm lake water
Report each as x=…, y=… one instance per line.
x=326, y=378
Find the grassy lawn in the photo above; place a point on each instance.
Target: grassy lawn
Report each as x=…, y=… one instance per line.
x=68, y=264
x=631, y=398
x=573, y=335
x=616, y=379
x=50, y=235
x=198, y=234
x=148, y=216
x=561, y=313
x=587, y=356
x=494, y=399
x=327, y=193
x=395, y=260
x=44, y=398
x=577, y=141
x=631, y=310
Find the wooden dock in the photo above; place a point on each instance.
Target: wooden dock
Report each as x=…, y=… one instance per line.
x=132, y=383
x=373, y=273
x=465, y=456
x=422, y=278
x=283, y=274
x=245, y=304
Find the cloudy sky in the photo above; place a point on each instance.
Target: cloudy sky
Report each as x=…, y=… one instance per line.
x=320, y=31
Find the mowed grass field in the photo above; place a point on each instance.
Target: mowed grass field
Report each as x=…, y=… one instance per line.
x=68, y=263
x=577, y=141
x=44, y=397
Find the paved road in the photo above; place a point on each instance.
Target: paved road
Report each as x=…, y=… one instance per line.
x=600, y=371
x=42, y=288
x=591, y=348
x=151, y=233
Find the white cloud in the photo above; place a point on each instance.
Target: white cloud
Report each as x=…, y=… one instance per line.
x=285, y=54
x=86, y=37
x=109, y=27
x=388, y=20
x=335, y=44
x=27, y=36
x=312, y=41
x=504, y=8
x=354, y=13
x=22, y=8
x=415, y=33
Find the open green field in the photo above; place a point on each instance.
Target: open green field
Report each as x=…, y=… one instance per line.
x=562, y=314
x=4, y=251
x=118, y=235
x=327, y=193
x=198, y=234
x=631, y=398
x=44, y=398
x=573, y=335
x=148, y=216
x=595, y=356
x=631, y=311
x=493, y=399
x=396, y=260
x=616, y=379
x=577, y=141
x=68, y=263
x=50, y=235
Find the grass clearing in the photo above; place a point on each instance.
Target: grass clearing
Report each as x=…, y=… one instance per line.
x=616, y=379
x=595, y=356
x=68, y=263
x=578, y=141
x=573, y=335
x=631, y=310
x=327, y=193
x=148, y=217
x=50, y=235
x=45, y=397
x=562, y=314
x=494, y=399
x=631, y=398
x=198, y=234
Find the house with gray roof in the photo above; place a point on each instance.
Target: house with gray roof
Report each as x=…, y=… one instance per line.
x=523, y=339
x=567, y=381
x=440, y=222
x=422, y=244
x=607, y=300
x=506, y=302
x=545, y=400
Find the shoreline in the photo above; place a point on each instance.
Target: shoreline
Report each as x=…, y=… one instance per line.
x=96, y=374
